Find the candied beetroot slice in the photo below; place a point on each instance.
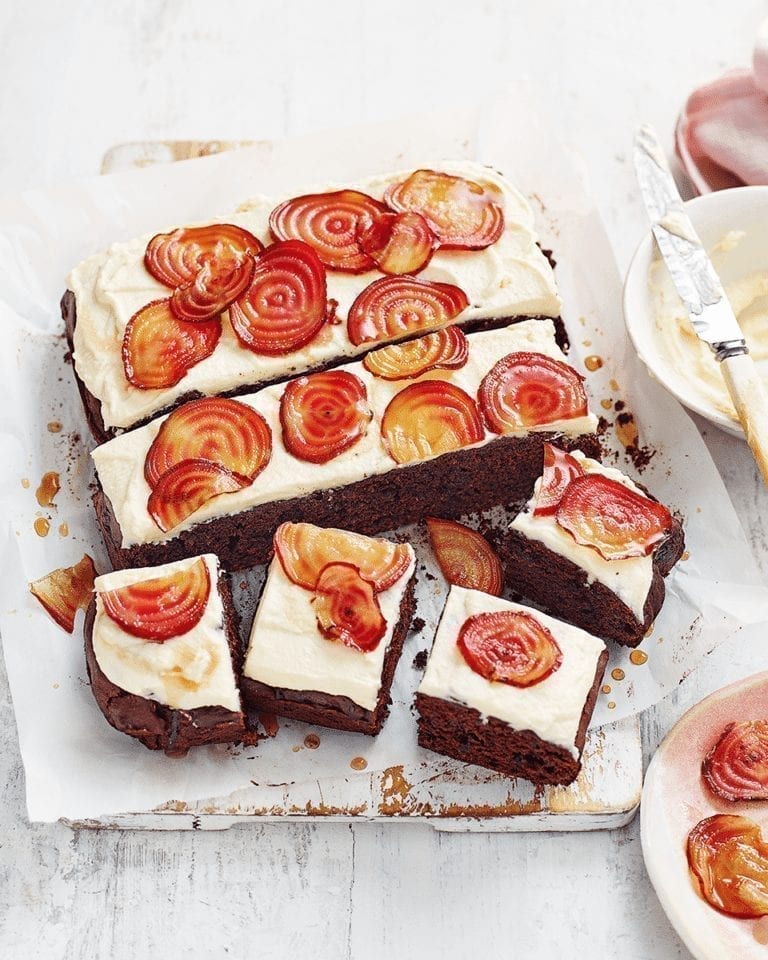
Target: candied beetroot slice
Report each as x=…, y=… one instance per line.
x=728, y=864
x=217, y=285
x=304, y=550
x=347, y=608
x=526, y=389
x=329, y=223
x=186, y=487
x=66, y=590
x=398, y=243
x=285, y=306
x=465, y=556
x=444, y=349
x=462, y=213
x=736, y=768
x=324, y=414
x=162, y=607
x=429, y=418
x=509, y=647
x=611, y=518
x=176, y=258
x=559, y=469
x=158, y=348
x=393, y=307
x=226, y=432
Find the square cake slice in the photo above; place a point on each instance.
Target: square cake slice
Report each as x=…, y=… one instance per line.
x=162, y=651
x=330, y=627
x=592, y=547
x=509, y=688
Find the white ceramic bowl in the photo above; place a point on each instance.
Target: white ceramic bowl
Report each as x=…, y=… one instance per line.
x=713, y=215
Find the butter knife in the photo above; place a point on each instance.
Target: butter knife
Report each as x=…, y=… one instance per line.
x=701, y=291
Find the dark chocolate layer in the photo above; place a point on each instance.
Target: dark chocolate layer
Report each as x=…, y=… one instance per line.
x=458, y=731
x=328, y=710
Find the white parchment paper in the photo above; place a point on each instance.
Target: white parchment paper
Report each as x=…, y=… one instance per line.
x=76, y=765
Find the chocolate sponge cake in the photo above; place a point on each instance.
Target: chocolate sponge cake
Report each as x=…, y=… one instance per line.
x=163, y=652
x=509, y=688
x=456, y=422
x=595, y=552
x=332, y=661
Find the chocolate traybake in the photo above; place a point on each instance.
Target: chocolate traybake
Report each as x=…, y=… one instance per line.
x=509, y=688
x=364, y=447
x=163, y=654
x=330, y=627
x=592, y=548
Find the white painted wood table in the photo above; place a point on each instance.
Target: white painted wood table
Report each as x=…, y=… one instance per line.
x=76, y=78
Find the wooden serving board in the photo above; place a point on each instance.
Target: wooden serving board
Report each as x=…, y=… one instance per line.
x=448, y=795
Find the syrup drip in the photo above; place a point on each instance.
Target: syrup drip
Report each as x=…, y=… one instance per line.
x=606, y=688
x=593, y=363
x=626, y=430
x=49, y=487
x=358, y=763
x=686, y=555
x=25, y=483
x=54, y=426
x=42, y=526
x=606, y=404
x=311, y=741
x=63, y=529
x=270, y=724
x=611, y=705
x=617, y=673
x=638, y=657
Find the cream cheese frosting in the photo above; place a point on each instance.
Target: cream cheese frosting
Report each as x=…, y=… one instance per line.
x=678, y=343
x=630, y=579
x=286, y=648
x=185, y=672
x=510, y=278
x=551, y=709
x=120, y=462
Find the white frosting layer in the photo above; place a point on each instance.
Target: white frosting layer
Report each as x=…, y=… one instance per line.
x=551, y=709
x=120, y=462
x=286, y=648
x=509, y=278
x=629, y=579
x=678, y=342
x=192, y=670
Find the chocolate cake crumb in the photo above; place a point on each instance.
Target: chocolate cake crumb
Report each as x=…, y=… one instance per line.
x=619, y=405
x=420, y=660
x=418, y=625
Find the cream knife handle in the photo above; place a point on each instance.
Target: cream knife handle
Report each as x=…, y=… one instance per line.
x=750, y=398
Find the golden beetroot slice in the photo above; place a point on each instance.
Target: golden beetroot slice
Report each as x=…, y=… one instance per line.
x=162, y=607
x=158, y=348
x=285, y=305
x=465, y=556
x=444, y=349
x=176, y=258
x=527, y=389
x=608, y=516
x=736, y=768
x=323, y=414
x=509, y=647
x=728, y=863
x=559, y=469
x=216, y=285
x=347, y=609
x=66, y=590
x=226, y=432
x=329, y=223
x=464, y=214
x=398, y=243
x=183, y=489
x=304, y=550
x=393, y=307
x=429, y=418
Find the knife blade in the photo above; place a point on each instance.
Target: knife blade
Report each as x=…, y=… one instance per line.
x=701, y=291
